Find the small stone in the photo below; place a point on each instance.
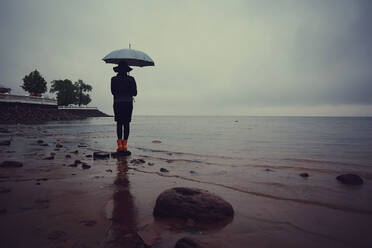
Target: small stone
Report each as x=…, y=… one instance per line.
x=52, y=154
x=59, y=145
x=350, y=179
x=187, y=243
x=108, y=170
x=4, y=190
x=4, y=130
x=38, y=183
x=68, y=156
x=82, y=145
x=150, y=164
x=75, y=152
x=77, y=161
x=40, y=141
x=72, y=165
x=163, y=170
x=42, y=179
x=156, y=141
x=193, y=172
x=137, y=161
x=304, y=175
x=56, y=235
x=85, y=166
x=269, y=170
x=11, y=164
x=41, y=201
x=89, y=156
x=49, y=158
x=44, y=144
x=101, y=155
x=88, y=222
x=5, y=142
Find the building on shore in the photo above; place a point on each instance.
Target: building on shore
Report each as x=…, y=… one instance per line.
x=4, y=90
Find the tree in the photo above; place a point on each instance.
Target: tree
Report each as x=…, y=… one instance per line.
x=67, y=92
x=81, y=89
x=34, y=83
x=85, y=99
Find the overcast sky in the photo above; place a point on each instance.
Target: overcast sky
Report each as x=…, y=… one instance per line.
x=278, y=57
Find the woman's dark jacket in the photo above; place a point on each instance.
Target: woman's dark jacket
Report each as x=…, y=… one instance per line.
x=124, y=88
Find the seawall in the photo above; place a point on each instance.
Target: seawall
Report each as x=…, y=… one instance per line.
x=25, y=113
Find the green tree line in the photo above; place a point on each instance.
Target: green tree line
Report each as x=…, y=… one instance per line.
x=67, y=92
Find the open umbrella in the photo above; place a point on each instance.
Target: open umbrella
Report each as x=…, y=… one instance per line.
x=130, y=56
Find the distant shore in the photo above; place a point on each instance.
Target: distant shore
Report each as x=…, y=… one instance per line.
x=22, y=113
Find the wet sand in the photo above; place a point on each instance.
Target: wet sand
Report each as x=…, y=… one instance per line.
x=48, y=203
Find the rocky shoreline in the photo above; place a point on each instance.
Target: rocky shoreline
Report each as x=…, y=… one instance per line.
x=22, y=113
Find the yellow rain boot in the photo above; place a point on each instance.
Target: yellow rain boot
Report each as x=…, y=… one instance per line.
x=120, y=145
x=125, y=145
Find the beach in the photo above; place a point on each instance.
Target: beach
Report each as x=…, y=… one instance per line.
x=62, y=197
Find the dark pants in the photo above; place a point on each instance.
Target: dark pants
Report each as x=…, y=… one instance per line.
x=123, y=116
x=119, y=129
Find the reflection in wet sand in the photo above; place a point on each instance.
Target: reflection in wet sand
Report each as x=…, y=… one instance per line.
x=122, y=232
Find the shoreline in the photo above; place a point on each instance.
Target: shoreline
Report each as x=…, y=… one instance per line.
x=26, y=113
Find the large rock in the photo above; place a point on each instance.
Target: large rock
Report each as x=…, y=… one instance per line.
x=350, y=179
x=191, y=203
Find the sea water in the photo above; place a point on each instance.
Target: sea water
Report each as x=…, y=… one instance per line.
x=255, y=163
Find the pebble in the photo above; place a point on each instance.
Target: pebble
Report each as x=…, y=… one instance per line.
x=56, y=235
x=88, y=222
x=4, y=142
x=304, y=175
x=350, y=179
x=49, y=158
x=4, y=190
x=85, y=166
x=137, y=161
x=59, y=145
x=11, y=164
x=163, y=170
x=100, y=155
x=68, y=156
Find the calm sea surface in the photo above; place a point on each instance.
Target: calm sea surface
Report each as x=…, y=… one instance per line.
x=338, y=140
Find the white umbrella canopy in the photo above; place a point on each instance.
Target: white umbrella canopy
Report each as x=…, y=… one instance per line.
x=130, y=56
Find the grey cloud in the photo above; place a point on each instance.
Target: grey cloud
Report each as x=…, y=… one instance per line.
x=210, y=56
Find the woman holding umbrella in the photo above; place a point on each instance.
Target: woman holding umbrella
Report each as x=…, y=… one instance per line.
x=123, y=88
